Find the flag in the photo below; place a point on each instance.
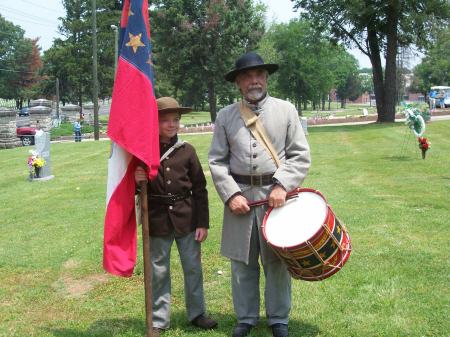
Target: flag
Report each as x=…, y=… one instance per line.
x=133, y=130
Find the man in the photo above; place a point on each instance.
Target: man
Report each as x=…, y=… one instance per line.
x=242, y=171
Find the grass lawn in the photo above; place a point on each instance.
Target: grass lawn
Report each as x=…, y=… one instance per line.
x=395, y=206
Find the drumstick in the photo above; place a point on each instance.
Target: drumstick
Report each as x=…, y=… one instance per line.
x=289, y=195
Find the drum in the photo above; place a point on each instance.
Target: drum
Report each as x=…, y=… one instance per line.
x=307, y=236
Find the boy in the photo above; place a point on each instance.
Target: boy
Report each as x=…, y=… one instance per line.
x=178, y=211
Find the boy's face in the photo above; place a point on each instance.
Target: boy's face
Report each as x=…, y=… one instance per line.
x=169, y=124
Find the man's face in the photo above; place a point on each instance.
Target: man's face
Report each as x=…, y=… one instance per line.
x=252, y=84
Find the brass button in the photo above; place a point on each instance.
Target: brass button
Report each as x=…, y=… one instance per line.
x=170, y=207
x=168, y=169
x=169, y=182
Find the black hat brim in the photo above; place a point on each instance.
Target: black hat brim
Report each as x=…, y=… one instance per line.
x=270, y=67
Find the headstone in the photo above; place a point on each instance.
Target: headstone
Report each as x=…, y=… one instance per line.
x=365, y=112
x=8, y=135
x=42, y=144
x=70, y=113
x=40, y=117
x=304, y=123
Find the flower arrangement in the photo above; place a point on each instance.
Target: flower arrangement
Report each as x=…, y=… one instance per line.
x=35, y=163
x=424, y=145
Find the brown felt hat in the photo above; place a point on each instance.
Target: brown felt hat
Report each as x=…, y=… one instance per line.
x=169, y=104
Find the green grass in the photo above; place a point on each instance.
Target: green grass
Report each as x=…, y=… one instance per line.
x=395, y=206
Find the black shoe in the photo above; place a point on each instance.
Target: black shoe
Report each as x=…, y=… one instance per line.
x=279, y=330
x=242, y=330
x=204, y=322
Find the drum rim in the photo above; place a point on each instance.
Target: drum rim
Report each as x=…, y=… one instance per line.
x=314, y=236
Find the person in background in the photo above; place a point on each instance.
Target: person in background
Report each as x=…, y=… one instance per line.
x=243, y=171
x=77, y=130
x=178, y=211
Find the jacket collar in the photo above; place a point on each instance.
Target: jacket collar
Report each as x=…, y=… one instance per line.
x=259, y=106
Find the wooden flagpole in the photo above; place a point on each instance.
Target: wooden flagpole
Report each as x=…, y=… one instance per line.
x=147, y=260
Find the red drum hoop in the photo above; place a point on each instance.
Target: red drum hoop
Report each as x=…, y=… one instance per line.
x=307, y=236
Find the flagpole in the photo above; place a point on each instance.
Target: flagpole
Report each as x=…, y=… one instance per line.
x=147, y=260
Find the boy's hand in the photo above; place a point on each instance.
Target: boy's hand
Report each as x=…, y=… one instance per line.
x=201, y=234
x=140, y=175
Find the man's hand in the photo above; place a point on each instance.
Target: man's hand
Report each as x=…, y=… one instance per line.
x=277, y=197
x=201, y=234
x=238, y=205
x=140, y=175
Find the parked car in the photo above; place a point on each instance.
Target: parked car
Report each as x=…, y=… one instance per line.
x=24, y=112
x=26, y=135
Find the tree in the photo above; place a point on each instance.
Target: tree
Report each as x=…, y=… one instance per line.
x=435, y=66
x=310, y=66
x=379, y=28
x=347, y=82
x=70, y=58
x=197, y=42
x=302, y=76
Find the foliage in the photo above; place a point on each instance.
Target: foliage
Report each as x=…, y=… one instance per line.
x=310, y=66
x=435, y=66
x=19, y=63
x=197, y=42
x=70, y=58
x=394, y=207
x=378, y=28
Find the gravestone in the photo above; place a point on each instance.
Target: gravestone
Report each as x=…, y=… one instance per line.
x=8, y=136
x=42, y=144
x=70, y=113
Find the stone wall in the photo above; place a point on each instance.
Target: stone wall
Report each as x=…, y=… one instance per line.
x=88, y=111
x=8, y=136
x=41, y=116
x=70, y=113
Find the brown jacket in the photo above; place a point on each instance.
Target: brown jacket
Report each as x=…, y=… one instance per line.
x=179, y=174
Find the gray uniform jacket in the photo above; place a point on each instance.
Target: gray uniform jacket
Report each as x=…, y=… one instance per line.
x=234, y=149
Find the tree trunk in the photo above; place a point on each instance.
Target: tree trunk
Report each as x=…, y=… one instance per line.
x=390, y=84
x=212, y=100
x=377, y=72
x=323, y=103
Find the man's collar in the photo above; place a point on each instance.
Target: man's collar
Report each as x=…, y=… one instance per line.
x=257, y=107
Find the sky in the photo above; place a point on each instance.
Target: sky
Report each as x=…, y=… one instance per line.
x=39, y=18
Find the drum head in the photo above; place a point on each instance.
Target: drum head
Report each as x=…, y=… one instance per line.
x=297, y=221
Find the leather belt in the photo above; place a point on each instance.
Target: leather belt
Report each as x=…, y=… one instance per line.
x=253, y=180
x=165, y=199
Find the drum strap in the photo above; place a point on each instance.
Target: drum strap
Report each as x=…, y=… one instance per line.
x=255, y=126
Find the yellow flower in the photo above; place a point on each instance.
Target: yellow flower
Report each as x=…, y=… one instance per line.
x=39, y=162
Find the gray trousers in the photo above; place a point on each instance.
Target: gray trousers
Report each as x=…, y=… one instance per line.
x=190, y=257
x=245, y=284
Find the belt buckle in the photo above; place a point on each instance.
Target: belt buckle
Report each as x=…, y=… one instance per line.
x=255, y=180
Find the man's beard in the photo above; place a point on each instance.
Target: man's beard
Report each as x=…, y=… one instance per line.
x=255, y=94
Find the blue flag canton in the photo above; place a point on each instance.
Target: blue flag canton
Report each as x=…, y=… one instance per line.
x=135, y=46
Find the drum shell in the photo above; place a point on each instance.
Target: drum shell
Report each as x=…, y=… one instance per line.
x=331, y=242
